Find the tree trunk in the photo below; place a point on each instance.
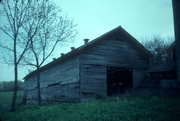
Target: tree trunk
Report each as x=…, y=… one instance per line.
x=13, y=104
x=176, y=9
x=38, y=87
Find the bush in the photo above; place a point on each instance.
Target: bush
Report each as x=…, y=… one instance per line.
x=158, y=48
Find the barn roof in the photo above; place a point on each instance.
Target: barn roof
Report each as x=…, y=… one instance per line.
x=119, y=30
x=165, y=67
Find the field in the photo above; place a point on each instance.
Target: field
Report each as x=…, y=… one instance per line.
x=133, y=108
x=6, y=97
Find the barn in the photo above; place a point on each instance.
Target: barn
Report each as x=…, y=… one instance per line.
x=108, y=65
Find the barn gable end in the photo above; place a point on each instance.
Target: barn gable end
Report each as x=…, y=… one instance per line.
x=114, y=51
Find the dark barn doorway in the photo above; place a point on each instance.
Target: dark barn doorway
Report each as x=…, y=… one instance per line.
x=118, y=79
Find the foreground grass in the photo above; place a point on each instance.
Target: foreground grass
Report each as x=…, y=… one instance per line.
x=6, y=98
x=126, y=109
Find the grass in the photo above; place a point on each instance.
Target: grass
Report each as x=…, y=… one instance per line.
x=6, y=98
x=126, y=109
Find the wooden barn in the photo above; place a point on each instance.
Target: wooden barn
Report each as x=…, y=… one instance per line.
x=108, y=65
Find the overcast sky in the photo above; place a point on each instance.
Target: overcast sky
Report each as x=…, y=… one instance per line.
x=142, y=19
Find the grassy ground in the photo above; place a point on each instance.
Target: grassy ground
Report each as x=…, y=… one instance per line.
x=6, y=98
x=126, y=109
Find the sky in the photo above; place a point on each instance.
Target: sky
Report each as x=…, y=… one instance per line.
x=143, y=19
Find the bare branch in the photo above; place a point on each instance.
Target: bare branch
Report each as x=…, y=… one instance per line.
x=7, y=48
x=6, y=32
x=26, y=62
x=36, y=28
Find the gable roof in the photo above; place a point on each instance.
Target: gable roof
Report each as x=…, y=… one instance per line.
x=119, y=30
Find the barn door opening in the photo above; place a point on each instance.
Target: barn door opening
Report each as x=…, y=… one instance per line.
x=118, y=80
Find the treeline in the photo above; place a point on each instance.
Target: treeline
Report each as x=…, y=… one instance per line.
x=158, y=47
x=9, y=86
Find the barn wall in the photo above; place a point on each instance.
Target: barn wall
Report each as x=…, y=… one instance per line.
x=30, y=90
x=138, y=77
x=58, y=83
x=92, y=81
x=168, y=84
x=114, y=53
x=108, y=53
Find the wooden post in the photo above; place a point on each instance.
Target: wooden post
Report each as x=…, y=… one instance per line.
x=176, y=12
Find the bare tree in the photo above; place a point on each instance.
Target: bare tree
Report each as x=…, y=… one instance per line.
x=14, y=13
x=32, y=27
x=51, y=30
x=158, y=47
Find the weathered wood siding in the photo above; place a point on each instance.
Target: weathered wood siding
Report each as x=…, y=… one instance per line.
x=92, y=81
x=114, y=53
x=58, y=83
x=138, y=77
x=107, y=53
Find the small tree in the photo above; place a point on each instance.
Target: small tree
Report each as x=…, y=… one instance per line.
x=158, y=48
x=51, y=29
x=14, y=13
x=32, y=25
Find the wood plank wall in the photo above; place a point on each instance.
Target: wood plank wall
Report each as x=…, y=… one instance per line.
x=108, y=53
x=58, y=83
